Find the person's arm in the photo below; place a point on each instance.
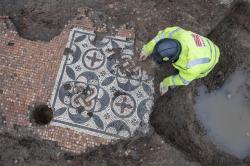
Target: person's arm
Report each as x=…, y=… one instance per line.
x=168, y=32
x=183, y=78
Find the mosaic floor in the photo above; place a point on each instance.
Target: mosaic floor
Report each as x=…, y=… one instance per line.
x=99, y=90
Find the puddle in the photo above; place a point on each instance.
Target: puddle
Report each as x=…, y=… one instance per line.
x=225, y=114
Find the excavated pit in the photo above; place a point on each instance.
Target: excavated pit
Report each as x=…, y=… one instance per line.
x=174, y=117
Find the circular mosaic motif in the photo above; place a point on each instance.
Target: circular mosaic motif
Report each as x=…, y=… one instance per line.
x=93, y=59
x=123, y=105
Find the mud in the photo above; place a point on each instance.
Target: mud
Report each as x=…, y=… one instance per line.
x=174, y=120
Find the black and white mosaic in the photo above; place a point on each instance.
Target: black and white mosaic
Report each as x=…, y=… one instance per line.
x=99, y=90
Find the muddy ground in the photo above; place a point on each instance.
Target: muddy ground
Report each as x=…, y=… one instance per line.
x=178, y=138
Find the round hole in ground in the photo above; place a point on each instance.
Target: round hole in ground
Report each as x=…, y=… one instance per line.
x=41, y=115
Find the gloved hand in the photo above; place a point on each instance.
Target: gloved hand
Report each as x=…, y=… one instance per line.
x=163, y=89
x=143, y=56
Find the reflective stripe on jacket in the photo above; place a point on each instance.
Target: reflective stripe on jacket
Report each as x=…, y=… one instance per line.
x=198, y=57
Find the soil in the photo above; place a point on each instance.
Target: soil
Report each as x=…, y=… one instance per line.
x=19, y=147
x=178, y=138
x=40, y=20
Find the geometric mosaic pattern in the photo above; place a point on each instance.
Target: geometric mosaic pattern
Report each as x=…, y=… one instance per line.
x=99, y=90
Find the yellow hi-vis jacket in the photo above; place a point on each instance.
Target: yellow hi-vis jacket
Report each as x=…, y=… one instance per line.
x=198, y=56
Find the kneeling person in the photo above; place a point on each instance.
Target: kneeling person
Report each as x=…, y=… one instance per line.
x=194, y=56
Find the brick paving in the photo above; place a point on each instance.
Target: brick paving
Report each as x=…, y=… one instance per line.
x=28, y=71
